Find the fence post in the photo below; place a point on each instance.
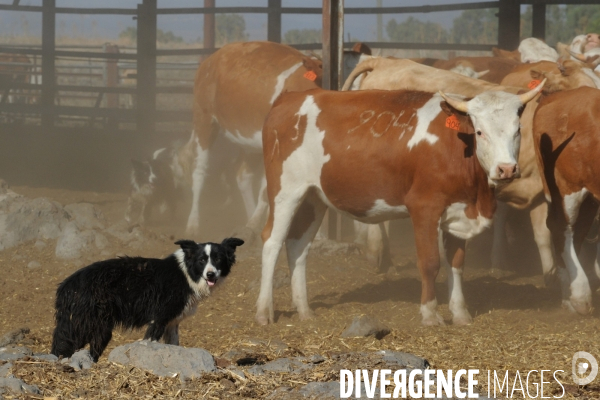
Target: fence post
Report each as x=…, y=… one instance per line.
x=111, y=75
x=48, y=62
x=209, y=28
x=538, y=21
x=509, y=24
x=274, y=21
x=333, y=46
x=146, y=67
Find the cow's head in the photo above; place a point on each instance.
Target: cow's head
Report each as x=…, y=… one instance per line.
x=495, y=119
x=592, y=42
x=567, y=75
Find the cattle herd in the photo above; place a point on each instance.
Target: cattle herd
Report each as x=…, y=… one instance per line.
x=450, y=143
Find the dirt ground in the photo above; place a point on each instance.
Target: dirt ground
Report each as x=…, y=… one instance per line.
x=518, y=323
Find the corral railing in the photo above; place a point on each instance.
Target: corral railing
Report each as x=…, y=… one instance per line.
x=48, y=61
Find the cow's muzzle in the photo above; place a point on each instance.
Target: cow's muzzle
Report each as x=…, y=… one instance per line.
x=507, y=171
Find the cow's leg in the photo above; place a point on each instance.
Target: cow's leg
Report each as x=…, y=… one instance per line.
x=425, y=223
x=378, y=246
x=281, y=213
x=581, y=293
x=302, y=232
x=499, y=243
x=262, y=207
x=543, y=239
x=361, y=232
x=245, y=179
x=455, y=260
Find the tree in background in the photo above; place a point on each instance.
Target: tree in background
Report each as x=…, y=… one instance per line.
x=302, y=36
x=130, y=34
x=416, y=31
x=476, y=27
x=230, y=28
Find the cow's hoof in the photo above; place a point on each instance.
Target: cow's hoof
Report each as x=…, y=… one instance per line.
x=582, y=306
x=434, y=320
x=245, y=233
x=262, y=320
x=306, y=315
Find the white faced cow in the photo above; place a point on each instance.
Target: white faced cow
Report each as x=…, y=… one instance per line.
x=380, y=155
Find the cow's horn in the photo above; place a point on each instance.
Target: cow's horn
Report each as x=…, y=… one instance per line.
x=525, y=97
x=459, y=105
x=482, y=73
x=580, y=57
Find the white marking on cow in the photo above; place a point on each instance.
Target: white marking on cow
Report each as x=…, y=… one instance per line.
x=157, y=153
x=364, y=117
x=581, y=294
x=425, y=115
x=253, y=142
x=455, y=221
x=391, y=117
x=382, y=211
x=533, y=50
x=572, y=203
x=201, y=164
x=430, y=315
x=281, y=78
x=457, y=305
x=301, y=170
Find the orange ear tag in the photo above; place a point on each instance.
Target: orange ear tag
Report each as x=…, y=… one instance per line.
x=453, y=123
x=533, y=84
x=310, y=75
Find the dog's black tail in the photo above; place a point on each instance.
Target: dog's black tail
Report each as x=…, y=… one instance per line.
x=64, y=339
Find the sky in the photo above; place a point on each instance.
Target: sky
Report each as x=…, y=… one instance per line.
x=362, y=27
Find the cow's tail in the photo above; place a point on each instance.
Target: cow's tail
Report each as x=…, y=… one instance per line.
x=363, y=67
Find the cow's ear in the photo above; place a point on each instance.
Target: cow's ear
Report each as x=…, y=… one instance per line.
x=362, y=48
x=537, y=75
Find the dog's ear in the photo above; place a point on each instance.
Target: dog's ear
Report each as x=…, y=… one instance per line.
x=232, y=242
x=189, y=247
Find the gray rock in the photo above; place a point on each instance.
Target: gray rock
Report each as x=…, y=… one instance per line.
x=101, y=241
x=316, y=359
x=281, y=365
x=81, y=360
x=3, y=186
x=45, y=357
x=72, y=242
x=17, y=386
x=366, y=325
x=34, y=265
x=13, y=336
x=23, y=220
x=282, y=392
x=163, y=359
x=86, y=216
x=39, y=244
x=5, y=370
x=12, y=352
x=404, y=359
x=321, y=390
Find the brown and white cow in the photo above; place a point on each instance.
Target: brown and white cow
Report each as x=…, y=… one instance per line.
x=566, y=130
x=380, y=155
x=497, y=67
x=523, y=193
x=234, y=89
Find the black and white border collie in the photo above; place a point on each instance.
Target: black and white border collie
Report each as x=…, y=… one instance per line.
x=131, y=292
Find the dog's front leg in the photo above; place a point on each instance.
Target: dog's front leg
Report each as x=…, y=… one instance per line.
x=155, y=331
x=171, y=335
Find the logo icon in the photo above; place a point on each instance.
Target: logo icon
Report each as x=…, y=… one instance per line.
x=580, y=368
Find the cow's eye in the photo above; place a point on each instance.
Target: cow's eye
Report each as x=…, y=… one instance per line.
x=478, y=133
